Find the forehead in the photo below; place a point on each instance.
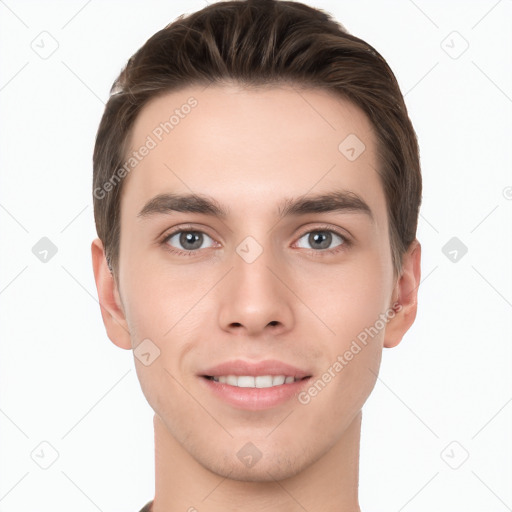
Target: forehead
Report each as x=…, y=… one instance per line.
x=251, y=146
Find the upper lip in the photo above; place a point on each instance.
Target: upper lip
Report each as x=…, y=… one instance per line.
x=269, y=367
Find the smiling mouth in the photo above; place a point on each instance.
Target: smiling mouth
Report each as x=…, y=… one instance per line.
x=252, y=381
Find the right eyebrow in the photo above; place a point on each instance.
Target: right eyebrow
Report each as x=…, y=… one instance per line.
x=191, y=203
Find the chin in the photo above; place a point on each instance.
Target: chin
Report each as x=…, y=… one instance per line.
x=269, y=468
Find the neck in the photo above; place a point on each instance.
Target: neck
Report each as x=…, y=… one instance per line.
x=328, y=485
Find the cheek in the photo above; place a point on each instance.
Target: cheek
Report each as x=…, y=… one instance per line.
x=349, y=298
x=153, y=295
x=166, y=310
x=169, y=308
x=352, y=303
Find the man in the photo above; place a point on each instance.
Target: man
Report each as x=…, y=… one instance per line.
x=256, y=192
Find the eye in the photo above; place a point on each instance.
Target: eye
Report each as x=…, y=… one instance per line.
x=187, y=241
x=322, y=239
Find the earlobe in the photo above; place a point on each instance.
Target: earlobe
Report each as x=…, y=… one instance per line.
x=406, y=294
x=110, y=301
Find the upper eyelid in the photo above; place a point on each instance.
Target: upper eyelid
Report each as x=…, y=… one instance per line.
x=347, y=240
x=181, y=229
x=337, y=231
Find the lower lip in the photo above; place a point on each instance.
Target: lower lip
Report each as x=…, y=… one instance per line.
x=255, y=399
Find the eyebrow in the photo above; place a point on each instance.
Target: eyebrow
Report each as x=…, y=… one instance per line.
x=336, y=201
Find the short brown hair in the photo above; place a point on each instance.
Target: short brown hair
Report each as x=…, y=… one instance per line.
x=262, y=42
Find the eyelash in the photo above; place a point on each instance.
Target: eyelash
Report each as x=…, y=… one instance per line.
x=190, y=229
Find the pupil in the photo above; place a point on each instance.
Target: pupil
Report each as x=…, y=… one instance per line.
x=191, y=237
x=322, y=237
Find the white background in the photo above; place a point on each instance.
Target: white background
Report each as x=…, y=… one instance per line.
x=64, y=383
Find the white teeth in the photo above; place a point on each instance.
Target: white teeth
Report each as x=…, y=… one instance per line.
x=248, y=381
x=232, y=380
x=263, y=381
x=278, y=380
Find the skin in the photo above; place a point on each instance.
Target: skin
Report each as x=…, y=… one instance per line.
x=249, y=149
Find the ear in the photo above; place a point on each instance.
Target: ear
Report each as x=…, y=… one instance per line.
x=405, y=296
x=110, y=301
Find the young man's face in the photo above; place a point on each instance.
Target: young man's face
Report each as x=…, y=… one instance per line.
x=265, y=282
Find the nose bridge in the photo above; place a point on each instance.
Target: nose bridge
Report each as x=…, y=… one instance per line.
x=255, y=298
x=252, y=265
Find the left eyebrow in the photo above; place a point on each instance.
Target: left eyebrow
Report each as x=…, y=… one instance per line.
x=336, y=201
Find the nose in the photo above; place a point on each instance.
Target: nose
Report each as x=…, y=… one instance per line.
x=255, y=298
